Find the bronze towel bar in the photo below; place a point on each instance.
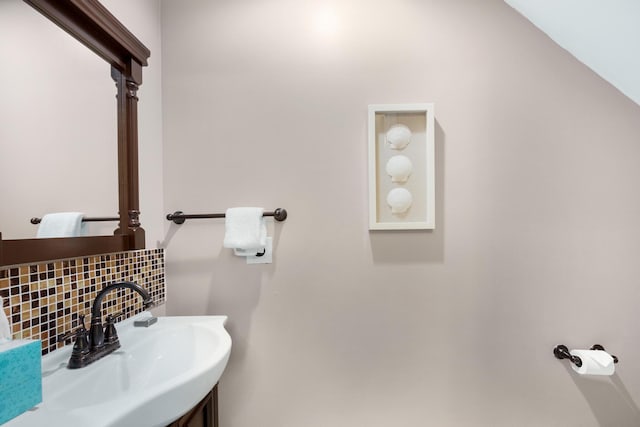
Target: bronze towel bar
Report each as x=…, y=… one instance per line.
x=179, y=217
x=87, y=219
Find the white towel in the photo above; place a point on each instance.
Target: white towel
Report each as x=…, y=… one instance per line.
x=61, y=224
x=245, y=230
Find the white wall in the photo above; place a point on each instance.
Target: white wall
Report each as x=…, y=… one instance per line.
x=604, y=35
x=537, y=236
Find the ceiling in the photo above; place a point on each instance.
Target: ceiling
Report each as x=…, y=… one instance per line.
x=602, y=34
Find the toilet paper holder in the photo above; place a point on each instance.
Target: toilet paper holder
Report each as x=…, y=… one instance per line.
x=562, y=352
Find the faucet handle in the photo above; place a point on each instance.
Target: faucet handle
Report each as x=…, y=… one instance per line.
x=73, y=333
x=110, y=333
x=68, y=335
x=81, y=345
x=81, y=350
x=113, y=317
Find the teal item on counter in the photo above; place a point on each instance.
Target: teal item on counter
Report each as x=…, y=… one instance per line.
x=20, y=377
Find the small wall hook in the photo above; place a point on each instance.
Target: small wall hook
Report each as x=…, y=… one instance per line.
x=562, y=352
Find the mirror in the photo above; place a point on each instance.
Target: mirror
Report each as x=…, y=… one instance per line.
x=58, y=126
x=90, y=23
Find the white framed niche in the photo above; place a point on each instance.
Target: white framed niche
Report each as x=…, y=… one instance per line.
x=401, y=167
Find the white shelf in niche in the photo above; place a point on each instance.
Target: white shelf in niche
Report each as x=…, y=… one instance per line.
x=419, y=119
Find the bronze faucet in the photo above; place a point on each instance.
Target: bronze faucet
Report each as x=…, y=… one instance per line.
x=100, y=341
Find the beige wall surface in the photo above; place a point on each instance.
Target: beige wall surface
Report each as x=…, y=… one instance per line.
x=537, y=236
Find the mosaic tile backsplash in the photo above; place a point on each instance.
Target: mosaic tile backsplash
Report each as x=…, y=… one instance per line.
x=43, y=300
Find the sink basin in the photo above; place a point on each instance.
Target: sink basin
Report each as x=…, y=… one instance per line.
x=157, y=375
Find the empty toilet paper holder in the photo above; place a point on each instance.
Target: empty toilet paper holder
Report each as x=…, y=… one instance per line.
x=562, y=352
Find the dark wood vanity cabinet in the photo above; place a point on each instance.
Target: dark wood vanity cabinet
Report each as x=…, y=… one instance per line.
x=204, y=414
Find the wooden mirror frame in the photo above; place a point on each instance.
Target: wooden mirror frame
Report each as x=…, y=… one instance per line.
x=94, y=26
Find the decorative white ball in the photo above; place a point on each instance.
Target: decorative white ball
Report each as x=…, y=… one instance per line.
x=398, y=136
x=400, y=200
x=399, y=168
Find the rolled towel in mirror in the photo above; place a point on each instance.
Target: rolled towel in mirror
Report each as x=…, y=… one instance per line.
x=61, y=224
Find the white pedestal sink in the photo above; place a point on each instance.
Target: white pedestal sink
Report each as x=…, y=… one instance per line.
x=158, y=374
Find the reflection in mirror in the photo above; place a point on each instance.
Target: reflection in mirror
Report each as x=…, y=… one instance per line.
x=58, y=126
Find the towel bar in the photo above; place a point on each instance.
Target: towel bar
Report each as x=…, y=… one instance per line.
x=180, y=217
x=87, y=219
